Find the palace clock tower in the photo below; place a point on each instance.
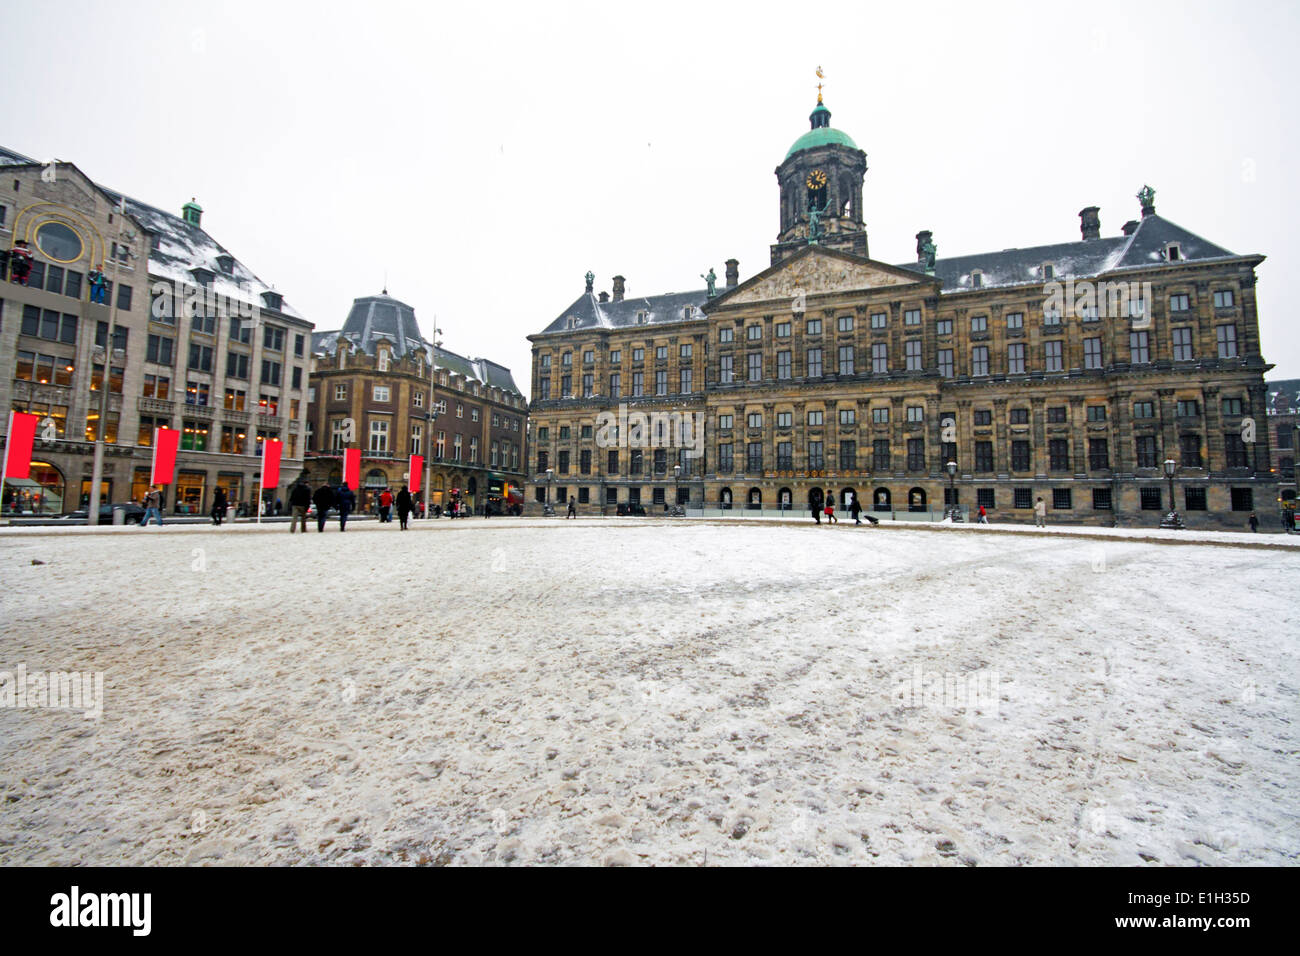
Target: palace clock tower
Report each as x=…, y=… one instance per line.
x=821, y=190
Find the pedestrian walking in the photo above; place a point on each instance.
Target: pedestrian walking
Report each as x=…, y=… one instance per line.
x=345, y=500
x=324, y=501
x=220, y=505
x=1254, y=522
x=855, y=509
x=815, y=507
x=404, y=506
x=299, y=502
x=386, y=506
x=152, y=506
x=1040, y=513
x=573, y=509
x=829, y=511
x=984, y=516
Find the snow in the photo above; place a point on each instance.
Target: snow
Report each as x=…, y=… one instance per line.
x=652, y=692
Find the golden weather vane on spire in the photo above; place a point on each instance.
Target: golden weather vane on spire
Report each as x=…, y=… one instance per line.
x=820, y=76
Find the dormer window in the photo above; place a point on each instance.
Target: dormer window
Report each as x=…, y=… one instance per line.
x=1049, y=271
x=976, y=278
x=571, y=322
x=383, y=359
x=642, y=317
x=203, y=277
x=272, y=300
x=226, y=264
x=1173, y=252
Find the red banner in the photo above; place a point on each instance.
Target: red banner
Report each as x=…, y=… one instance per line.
x=18, y=446
x=271, y=449
x=165, y=443
x=417, y=474
x=352, y=468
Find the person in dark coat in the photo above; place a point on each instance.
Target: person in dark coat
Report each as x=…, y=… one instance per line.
x=816, y=510
x=404, y=506
x=855, y=509
x=299, y=502
x=219, y=506
x=324, y=501
x=1254, y=522
x=345, y=500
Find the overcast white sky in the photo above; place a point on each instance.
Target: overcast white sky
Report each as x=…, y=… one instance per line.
x=483, y=157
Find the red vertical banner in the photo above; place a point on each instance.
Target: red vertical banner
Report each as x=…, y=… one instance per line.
x=416, y=474
x=352, y=468
x=18, y=446
x=165, y=443
x=271, y=449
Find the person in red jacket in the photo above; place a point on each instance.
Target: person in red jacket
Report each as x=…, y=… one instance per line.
x=386, y=506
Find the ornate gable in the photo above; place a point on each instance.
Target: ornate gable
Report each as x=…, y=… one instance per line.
x=819, y=272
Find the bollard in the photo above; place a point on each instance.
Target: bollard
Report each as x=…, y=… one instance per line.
x=119, y=516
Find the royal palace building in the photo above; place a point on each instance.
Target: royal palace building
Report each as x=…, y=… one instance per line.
x=1071, y=372
x=116, y=318
x=379, y=385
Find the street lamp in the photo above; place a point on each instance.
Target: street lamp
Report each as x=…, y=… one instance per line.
x=678, y=510
x=952, y=511
x=1173, y=519
x=430, y=418
x=547, y=510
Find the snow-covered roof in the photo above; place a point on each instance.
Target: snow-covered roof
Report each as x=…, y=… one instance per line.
x=588, y=312
x=1283, y=396
x=183, y=247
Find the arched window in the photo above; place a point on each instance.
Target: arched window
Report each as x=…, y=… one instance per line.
x=815, y=499
x=784, y=499
x=724, y=498
x=916, y=500
x=755, y=498
x=846, y=497
x=882, y=500
x=41, y=492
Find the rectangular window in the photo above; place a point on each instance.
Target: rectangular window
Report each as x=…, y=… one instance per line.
x=1019, y=416
x=815, y=418
x=1179, y=303
x=1058, y=454
x=726, y=335
x=1223, y=299
x=814, y=327
x=726, y=369
x=1098, y=454
x=916, y=454
x=1020, y=455
x=158, y=349
x=200, y=357
x=1190, y=444
x=1144, y=410
x=638, y=355
x=982, y=417
x=726, y=464
x=1182, y=339
x=783, y=365
x=1096, y=413
x=1056, y=415
x=562, y=462
x=1189, y=408
x=754, y=456
x=846, y=359
x=979, y=323
x=1151, y=499
x=880, y=456
x=912, y=353
x=638, y=384
x=615, y=385
x=784, y=455
x=814, y=363
x=1194, y=499
x=755, y=420
x=1139, y=348
x=1101, y=500
x=984, y=456
x=879, y=320
x=912, y=317
x=1146, y=451
x=784, y=419
x=661, y=381
x=916, y=413
x=684, y=352
x=783, y=330
x=1016, y=358
x=880, y=415
x=270, y=372
x=979, y=360
x=1226, y=335
x=661, y=352
x=848, y=416
x=1234, y=450
x=1022, y=498
x=848, y=456
x=755, y=366
x=1062, y=499
x=943, y=327
x=845, y=323
x=879, y=358
x=1092, y=353
x=1243, y=499
x=1015, y=320
x=944, y=358
x=1052, y=357
x=754, y=333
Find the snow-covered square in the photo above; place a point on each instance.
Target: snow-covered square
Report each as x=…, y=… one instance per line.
x=651, y=692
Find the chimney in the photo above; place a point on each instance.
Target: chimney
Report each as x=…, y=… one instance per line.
x=604, y=297
x=922, y=239
x=1130, y=227
x=733, y=273
x=1090, y=222
x=618, y=288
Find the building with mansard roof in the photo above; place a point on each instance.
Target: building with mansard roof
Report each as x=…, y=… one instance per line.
x=400, y=394
x=1068, y=371
x=200, y=344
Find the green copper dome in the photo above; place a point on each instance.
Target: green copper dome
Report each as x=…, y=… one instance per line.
x=821, y=133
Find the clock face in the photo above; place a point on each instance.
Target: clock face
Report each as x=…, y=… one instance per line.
x=816, y=179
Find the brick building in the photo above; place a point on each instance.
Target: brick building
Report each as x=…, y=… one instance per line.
x=404, y=395
x=1069, y=371
x=199, y=344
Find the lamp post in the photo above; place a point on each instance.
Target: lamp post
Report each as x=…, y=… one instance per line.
x=1173, y=519
x=678, y=510
x=952, y=511
x=547, y=510
x=431, y=417
x=109, y=353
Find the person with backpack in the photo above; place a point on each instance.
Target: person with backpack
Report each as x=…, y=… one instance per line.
x=345, y=500
x=404, y=506
x=324, y=501
x=299, y=502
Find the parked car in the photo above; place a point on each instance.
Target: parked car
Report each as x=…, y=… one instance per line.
x=630, y=508
x=132, y=513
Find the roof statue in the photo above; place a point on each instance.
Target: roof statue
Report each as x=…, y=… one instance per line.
x=712, y=281
x=815, y=230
